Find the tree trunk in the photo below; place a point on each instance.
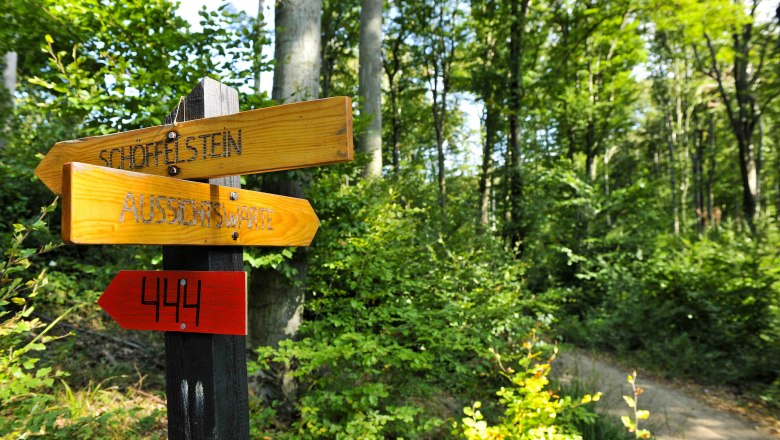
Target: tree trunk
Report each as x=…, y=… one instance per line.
x=515, y=182
x=439, y=110
x=491, y=126
x=438, y=76
x=711, y=170
x=759, y=163
x=10, y=61
x=297, y=50
x=9, y=88
x=671, y=141
x=276, y=302
x=743, y=116
x=370, y=87
x=258, y=46
x=590, y=151
x=697, y=160
x=392, y=67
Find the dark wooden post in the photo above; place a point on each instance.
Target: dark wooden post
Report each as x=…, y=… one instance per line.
x=205, y=376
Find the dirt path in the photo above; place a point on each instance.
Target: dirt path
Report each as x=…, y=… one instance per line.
x=674, y=414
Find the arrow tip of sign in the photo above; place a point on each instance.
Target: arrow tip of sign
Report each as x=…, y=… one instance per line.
x=46, y=172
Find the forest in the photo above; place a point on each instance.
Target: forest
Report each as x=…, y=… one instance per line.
x=529, y=177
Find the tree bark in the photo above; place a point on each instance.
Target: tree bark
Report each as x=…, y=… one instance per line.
x=671, y=141
x=297, y=50
x=9, y=63
x=370, y=86
x=485, y=180
x=438, y=74
x=276, y=302
x=711, y=170
x=258, y=47
x=392, y=67
x=517, y=29
x=697, y=161
x=743, y=116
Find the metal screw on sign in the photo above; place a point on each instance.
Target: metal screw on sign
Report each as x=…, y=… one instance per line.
x=172, y=135
x=233, y=195
x=235, y=236
x=183, y=326
x=173, y=170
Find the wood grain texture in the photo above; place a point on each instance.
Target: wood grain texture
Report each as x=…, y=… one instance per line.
x=283, y=137
x=213, y=364
x=173, y=300
x=107, y=206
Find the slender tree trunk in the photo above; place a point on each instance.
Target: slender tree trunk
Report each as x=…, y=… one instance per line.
x=392, y=66
x=396, y=116
x=258, y=46
x=743, y=117
x=9, y=63
x=698, y=180
x=439, y=117
x=370, y=87
x=590, y=151
x=491, y=125
x=759, y=163
x=276, y=302
x=517, y=29
x=439, y=82
x=777, y=183
x=330, y=24
x=671, y=141
x=396, y=130
x=711, y=170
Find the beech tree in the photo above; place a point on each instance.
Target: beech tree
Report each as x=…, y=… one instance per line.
x=276, y=302
x=371, y=84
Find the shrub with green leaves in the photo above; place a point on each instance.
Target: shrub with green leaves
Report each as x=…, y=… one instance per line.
x=25, y=386
x=532, y=410
x=704, y=309
x=398, y=321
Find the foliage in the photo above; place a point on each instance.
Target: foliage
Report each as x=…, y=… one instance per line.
x=632, y=424
x=624, y=142
x=533, y=411
x=35, y=399
x=707, y=302
x=383, y=310
x=24, y=385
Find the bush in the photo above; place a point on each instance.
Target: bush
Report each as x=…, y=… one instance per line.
x=532, y=410
x=25, y=386
x=397, y=320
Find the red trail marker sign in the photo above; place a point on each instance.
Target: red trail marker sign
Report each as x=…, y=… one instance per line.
x=178, y=300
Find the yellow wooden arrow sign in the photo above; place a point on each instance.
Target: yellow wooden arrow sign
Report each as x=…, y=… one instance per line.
x=276, y=138
x=102, y=205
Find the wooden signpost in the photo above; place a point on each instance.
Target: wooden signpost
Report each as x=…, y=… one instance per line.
x=284, y=137
x=185, y=301
x=106, y=206
x=113, y=194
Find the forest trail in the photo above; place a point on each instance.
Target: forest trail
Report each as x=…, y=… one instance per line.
x=674, y=413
